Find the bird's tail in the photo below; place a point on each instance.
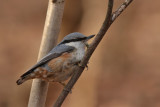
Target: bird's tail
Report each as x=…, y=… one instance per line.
x=20, y=81
x=24, y=78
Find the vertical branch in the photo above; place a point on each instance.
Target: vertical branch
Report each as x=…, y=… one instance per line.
x=50, y=34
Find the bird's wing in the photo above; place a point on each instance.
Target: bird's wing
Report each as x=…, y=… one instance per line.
x=54, y=53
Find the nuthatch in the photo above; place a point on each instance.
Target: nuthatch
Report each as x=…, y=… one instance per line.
x=61, y=62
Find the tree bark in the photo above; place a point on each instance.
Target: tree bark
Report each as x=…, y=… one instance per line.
x=53, y=21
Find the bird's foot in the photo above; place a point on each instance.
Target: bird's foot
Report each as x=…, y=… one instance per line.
x=87, y=66
x=79, y=64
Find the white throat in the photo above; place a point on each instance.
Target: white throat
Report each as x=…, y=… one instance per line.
x=80, y=49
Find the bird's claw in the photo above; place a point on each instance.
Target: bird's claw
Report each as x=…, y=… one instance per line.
x=87, y=66
x=83, y=66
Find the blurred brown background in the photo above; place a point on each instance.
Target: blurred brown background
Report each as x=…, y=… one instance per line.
x=123, y=71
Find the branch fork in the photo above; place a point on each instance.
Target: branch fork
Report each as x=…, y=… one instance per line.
x=110, y=18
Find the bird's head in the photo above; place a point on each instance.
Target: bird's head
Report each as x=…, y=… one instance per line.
x=73, y=39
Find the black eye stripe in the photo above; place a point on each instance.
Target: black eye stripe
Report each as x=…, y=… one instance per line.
x=73, y=40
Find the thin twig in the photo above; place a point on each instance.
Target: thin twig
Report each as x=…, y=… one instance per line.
x=120, y=10
x=50, y=34
x=106, y=24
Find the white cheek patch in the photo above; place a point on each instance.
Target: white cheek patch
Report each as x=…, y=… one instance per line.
x=79, y=53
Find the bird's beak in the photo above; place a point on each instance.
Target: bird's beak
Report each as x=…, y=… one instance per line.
x=89, y=37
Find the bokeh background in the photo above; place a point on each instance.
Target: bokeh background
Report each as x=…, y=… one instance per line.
x=123, y=71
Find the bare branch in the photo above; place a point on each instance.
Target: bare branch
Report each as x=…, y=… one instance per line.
x=84, y=61
x=106, y=24
x=50, y=34
x=120, y=10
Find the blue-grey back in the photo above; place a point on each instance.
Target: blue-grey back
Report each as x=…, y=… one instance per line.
x=54, y=53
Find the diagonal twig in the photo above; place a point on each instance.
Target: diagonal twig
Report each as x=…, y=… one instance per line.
x=110, y=18
x=120, y=10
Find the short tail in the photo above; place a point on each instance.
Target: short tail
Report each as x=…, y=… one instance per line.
x=24, y=77
x=20, y=81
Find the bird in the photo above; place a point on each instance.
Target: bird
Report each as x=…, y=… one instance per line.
x=61, y=62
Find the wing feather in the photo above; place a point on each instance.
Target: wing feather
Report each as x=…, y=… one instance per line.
x=54, y=53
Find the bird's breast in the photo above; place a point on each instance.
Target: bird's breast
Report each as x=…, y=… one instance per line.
x=78, y=54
